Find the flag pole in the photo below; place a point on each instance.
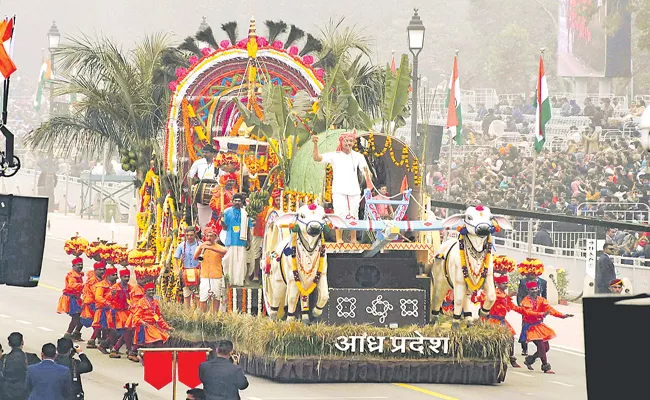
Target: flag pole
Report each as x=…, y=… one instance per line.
x=532, y=190
x=451, y=147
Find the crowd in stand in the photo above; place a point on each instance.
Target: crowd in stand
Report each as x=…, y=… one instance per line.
x=605, y=177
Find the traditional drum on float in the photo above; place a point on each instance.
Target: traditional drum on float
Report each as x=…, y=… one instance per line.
x=202, y=191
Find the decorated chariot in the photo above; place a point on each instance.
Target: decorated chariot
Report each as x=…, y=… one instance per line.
x=362, y=303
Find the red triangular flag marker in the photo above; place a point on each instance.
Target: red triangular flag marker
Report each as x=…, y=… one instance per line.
x=158, y=368
x=188, y=367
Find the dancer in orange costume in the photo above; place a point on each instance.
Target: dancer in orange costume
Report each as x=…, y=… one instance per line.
x=150, y=326
x=136, y=294
x=121, y=303
x=88, y=295
x=70, y=302
x=105, y=314
x=500, y=308
x=534, y=309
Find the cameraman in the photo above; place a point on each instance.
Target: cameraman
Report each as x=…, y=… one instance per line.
x=222, y=379
x=65, y=356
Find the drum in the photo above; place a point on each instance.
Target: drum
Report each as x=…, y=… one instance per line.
x=191, y=277
x=202, y=191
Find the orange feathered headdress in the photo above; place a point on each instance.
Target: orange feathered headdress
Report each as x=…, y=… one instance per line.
x=531, y=266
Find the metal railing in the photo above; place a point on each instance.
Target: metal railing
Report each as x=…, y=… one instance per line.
x=628, y=212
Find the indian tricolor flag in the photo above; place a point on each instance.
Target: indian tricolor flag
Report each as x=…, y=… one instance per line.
x=43, y=77
x=452, y=102
x=543, y=105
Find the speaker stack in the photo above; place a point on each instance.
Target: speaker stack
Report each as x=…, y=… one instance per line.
x=23, y=222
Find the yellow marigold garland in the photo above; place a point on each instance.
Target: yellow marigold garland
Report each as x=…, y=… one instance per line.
x=482, y=274
x=329, y=176
x=294, y=267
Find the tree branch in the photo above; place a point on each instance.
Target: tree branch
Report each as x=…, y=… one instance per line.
x=550, y=14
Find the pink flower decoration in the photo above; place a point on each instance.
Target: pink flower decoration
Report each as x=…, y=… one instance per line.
x=193, y=60
x=206, y=51
x=180, y=72
x=312, y=206
x=293, y=50
x=320, y=73
x=309, y=60
x=224, y=44
x=277, y=45
x=262, y=42
x=172, y=86
x=242, y=43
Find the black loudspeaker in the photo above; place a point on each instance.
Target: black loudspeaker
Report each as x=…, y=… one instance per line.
x=391, y=270
x=434, y=143
x=615, y=346
x=23, y=222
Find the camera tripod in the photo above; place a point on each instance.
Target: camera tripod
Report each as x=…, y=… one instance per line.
x=130, y=394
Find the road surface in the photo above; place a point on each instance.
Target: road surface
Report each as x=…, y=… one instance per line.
x=32, y=312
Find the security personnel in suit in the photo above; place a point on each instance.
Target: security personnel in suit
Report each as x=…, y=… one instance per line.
x=65, y=356
x=14, y=368
x=48, y=380
x=221, y=378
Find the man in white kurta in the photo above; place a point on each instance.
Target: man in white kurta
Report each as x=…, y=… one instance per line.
x=346, y=193
x=204, y=169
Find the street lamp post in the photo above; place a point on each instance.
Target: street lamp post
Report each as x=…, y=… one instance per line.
x=415, y=32
x=53, y=39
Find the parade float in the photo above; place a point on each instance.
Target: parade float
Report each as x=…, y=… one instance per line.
x=259, y=101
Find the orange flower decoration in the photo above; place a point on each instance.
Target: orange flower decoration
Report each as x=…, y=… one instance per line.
x=141, y=257
x=75, y=246
x=228, y=161
x=503, y=264
x=531, y=266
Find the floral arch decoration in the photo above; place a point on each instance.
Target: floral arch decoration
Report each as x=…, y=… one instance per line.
x=203, y=104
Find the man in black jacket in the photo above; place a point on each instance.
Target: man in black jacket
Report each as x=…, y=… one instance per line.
x=605, y=271
x=222, y=380
x=14, y=368
x=65, y=356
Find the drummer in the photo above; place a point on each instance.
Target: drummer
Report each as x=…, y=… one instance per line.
x=202, y=170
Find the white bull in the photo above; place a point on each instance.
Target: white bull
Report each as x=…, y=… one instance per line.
x=477, y=225
x=298, y=263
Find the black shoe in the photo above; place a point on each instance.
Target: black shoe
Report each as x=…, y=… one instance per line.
x=547, y=369
x=529, y=361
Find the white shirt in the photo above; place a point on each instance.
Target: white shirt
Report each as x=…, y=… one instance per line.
x=202, y=170
x=344, y=171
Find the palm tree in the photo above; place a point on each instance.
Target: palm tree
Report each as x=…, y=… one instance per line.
x=122, y=98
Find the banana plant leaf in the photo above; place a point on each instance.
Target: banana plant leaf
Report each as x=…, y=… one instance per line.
x=397, y=94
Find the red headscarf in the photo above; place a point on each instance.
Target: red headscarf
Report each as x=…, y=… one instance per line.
x=616, y=282
x=77, y=260
x=125, y=272
x=111, y=271
x=352, y=135
x=149, y=285
x=531, y=285
x=501, y=279
x=99, y=265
